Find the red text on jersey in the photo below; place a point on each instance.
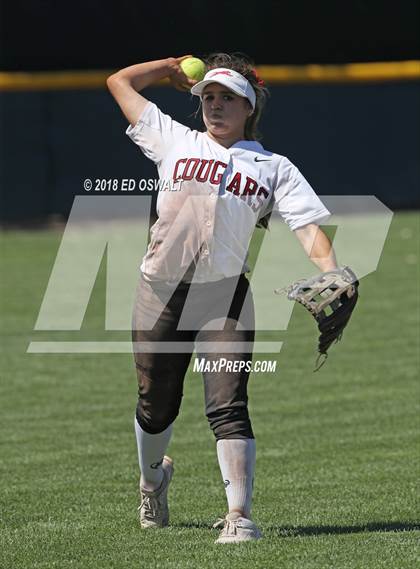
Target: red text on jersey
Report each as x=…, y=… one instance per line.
x=241, y=185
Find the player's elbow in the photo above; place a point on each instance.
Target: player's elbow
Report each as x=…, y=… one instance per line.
x=113, y=81
x=117, y=83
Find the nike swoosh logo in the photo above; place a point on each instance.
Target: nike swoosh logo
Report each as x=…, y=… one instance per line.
x=256, y=159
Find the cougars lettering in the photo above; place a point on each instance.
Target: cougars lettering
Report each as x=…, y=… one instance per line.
x=240, y=185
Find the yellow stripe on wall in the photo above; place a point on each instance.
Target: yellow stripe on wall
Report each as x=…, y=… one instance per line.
x=52, y=80
x=272, y=74
x=347, y=73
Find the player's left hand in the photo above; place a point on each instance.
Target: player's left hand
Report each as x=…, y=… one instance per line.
x=331, y=298
x=177, y=77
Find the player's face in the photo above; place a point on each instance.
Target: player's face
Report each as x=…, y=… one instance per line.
x=224, y=112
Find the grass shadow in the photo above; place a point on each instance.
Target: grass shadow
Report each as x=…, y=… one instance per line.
x=317, y=530
x=197, y=524
x=336, y=530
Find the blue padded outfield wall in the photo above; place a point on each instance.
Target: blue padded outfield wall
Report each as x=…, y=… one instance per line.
x=345, y=138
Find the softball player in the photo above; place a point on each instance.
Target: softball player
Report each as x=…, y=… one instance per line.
x=192, y=289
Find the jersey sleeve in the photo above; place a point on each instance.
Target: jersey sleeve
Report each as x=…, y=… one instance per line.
x=155, y=132
x=295, y=200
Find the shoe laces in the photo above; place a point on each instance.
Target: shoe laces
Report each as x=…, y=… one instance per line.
x=150, y=506
x=230, y=527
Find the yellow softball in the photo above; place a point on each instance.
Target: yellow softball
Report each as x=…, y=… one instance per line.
x=194, y=68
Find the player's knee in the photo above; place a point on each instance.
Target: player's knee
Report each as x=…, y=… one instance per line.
x=155, y=421
x=232, y=423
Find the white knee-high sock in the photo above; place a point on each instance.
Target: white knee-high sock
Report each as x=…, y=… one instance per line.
x=151, y=449
x=237, y=465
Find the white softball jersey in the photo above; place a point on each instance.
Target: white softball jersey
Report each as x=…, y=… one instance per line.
x=212, y=197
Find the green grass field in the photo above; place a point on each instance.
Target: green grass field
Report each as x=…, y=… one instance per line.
x=337, y=451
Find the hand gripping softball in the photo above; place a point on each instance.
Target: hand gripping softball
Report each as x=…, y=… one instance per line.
x=330, y=297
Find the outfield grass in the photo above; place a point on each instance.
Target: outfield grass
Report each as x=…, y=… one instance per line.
x=337, y=458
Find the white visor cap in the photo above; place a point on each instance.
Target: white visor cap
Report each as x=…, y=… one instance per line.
x=230, y=79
